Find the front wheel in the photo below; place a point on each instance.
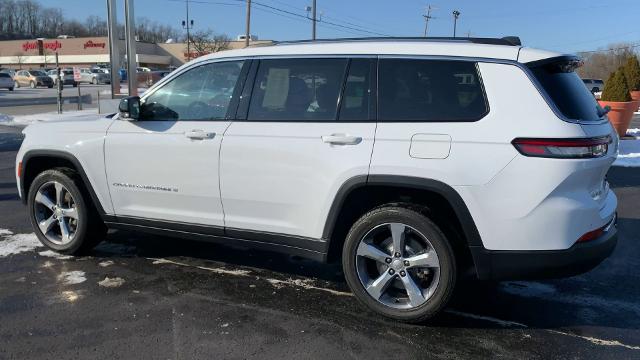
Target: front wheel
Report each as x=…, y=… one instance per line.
x=399, y=263
x=61, y=214
x=10, y=89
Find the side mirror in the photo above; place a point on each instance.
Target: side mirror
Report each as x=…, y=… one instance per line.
x=130, y=108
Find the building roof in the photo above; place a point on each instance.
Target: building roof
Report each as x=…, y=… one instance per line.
x=501, y=49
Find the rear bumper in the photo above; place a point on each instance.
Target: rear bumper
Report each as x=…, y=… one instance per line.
x=544, y=264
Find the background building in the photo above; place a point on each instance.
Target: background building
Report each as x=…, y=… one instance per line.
x=40, y=53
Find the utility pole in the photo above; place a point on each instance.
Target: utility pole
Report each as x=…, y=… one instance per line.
x=456, y=14
x=248, y=32
x=188, y=25
x=469, y=33
x=313, y=20
x=427, y=17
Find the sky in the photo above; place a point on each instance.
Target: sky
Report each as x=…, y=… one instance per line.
x=566, y=26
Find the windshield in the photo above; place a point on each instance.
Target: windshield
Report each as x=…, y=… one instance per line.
x=567, y=90
x=38, y=73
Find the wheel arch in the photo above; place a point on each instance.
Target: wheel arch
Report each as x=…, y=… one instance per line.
x=363, y=193
x=36, y=161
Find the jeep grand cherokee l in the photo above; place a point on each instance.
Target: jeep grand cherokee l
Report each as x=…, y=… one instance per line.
x=411, y=160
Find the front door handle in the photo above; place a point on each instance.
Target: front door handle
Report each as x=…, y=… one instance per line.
x=199, y=135
x=341, y=139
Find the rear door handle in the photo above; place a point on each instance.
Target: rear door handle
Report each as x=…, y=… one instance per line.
x=341, y=139
x=199, y=135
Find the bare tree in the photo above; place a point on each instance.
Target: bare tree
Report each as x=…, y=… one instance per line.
x=19, y=58
x=600, y=64
x=204, y=42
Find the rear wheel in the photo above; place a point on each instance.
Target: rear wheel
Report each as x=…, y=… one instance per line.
x=62, y=214
x=399, y=264
x=11, y=89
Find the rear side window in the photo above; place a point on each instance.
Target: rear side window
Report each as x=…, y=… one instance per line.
x=4, y=75
x=430, y=90
x=567, y=91
x=297, y=90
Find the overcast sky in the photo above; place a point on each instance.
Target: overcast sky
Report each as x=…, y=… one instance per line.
x=569, y=26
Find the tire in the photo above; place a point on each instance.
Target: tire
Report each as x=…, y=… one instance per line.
x=10, y=89
x=85, y=232
x=94, y=81
x=376, y=227
x=75, y=84
x=32, y=85
x=50, y=86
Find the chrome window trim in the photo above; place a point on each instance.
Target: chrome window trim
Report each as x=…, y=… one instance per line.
x=516, y=63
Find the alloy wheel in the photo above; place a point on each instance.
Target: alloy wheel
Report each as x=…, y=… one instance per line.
x=55, y=212
x=397, y=266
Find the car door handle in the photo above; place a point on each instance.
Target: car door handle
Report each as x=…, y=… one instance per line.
x=199, y=135
x=341, y=139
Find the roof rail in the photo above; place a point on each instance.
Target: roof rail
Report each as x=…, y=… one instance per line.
x=508, y=40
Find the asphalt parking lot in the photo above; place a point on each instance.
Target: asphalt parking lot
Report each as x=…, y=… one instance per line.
x=24, y=100
x=150, y=297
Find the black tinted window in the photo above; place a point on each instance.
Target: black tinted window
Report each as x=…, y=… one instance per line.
x=4, y=75
x=297, y=89
x=567, y=91
x=430, y=90
x=202, y=93
x=356, y=99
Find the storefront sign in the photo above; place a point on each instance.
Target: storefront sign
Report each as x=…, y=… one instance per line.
x=91, y=44
x=33, y=45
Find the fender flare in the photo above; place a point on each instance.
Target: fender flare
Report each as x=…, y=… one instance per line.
x=60, y=155
x=467, y=223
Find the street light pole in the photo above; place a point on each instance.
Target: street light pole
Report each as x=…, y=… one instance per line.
x=456, y=14
x=130, y=41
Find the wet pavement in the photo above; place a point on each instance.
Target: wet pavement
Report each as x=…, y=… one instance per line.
x=149, y=297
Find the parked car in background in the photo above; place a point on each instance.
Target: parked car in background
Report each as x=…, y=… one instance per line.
x=149, y=78
x=122, y=73
x=67, y=77
x=594, y=85
x=11, y=72
x=6, y=81
x=32, y=79
x=94, y=76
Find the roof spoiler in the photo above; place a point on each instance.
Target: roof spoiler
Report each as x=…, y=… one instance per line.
x=508, y=41
x=513, y=40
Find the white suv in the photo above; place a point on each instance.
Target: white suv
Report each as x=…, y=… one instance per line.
x=412, y=160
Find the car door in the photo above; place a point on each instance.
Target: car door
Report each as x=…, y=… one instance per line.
x=296, y=141
x=164, y=167
x=20, y=77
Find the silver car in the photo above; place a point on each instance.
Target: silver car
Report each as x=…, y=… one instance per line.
x=6, y=81
x=67, y=77
x=94, y=76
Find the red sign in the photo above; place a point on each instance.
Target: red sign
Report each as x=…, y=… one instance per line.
x=33, y=45
x=91, y=44
x=76, y=74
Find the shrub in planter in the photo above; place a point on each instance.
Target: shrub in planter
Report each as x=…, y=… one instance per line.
x=616, y=95
x=632, y=74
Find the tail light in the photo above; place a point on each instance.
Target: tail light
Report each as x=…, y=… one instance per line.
x=594, y=234
x=19, y=170
x=563, y=148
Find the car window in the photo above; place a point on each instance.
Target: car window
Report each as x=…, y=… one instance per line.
x=567, y=92
x=4, y=75
x=297, y=90
x=430, y=90
x=38, y=73
x=356, y=98
x=202, y=93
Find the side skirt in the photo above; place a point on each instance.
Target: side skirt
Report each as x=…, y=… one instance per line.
x=281, y=243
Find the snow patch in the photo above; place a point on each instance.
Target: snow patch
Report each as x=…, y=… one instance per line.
x=106, y=263
x=72, y=277
x=307, y=284
x=111, y=282
x=53, y=254
x=18, y=243
x=5, y=232
x=238, y=272
x=629, y=152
